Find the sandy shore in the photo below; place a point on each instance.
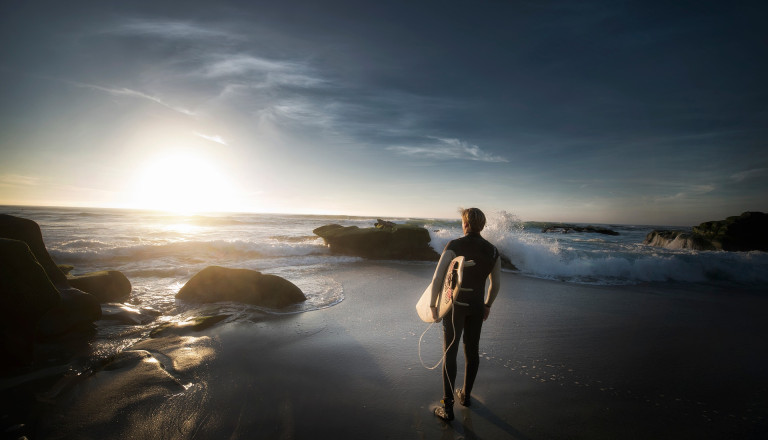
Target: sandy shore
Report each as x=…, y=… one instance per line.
x=560, y=361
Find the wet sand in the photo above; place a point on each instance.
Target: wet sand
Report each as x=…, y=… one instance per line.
x=559, y=361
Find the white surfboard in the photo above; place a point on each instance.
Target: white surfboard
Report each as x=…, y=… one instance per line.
x=451, y=287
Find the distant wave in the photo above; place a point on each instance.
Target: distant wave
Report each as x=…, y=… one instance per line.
x=78, y=251
x=599, y=261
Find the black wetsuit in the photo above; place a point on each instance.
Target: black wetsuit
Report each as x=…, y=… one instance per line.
x=467, y=319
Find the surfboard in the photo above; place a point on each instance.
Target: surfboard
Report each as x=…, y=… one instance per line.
x=451, y=287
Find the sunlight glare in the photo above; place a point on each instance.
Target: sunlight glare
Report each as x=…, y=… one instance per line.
x=184, y=182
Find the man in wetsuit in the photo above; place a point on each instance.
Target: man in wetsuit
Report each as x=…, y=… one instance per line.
x=471, y=305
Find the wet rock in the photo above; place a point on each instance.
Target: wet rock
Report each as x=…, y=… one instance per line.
x=192, y=325
x=26, y=295
x=216, y=283
x=676, y=239
x=22, y=229
x=565, y=229
x=124, y=314
x=387, y=241
x=745, y=232
x=106, y=286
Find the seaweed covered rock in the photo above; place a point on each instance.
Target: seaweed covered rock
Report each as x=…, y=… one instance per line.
x=387, y=241
x=745, y=232
x=216, y=283
x=106, y=285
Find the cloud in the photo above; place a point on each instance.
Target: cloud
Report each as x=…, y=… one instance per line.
x=749, y=174
x=215, y=138
x=447, y=149
x=134, y=93
x=16, y=180
x=692, y=191
x=171, y=29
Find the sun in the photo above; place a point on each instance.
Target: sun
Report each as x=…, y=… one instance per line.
x=185, y=183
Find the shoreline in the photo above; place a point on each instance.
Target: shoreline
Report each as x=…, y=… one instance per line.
x=558, y=360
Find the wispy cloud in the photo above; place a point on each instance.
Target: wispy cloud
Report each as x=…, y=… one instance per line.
x=214, y=138
x=749, y=174
x=447, y=149
x=16, y=180
x=136, y=94
x=691, y=191
x=173, y=29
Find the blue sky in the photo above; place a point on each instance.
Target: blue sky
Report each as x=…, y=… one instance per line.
x=602, y=112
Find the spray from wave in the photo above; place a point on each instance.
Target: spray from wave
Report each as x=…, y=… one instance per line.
x=623, y=259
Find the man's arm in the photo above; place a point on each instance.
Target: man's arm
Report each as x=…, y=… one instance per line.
x=493, y=287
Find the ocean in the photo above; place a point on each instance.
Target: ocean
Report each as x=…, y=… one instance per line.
x=159, y=252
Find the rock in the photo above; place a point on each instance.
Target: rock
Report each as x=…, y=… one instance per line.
x=26, y=292
x=78, y=312
x=386, y=242
x=676, y=239
x=215, y=283
x=17, y=228
x=66, y=268
x=106, y=286
x=124, y=314
x=564, y=229
x=506, y=263
x=746, y=232
x=184, y=328
x=26, y=295
x=384, y=224
x=32, y=308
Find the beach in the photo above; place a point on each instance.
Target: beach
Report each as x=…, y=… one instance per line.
x=559, y=360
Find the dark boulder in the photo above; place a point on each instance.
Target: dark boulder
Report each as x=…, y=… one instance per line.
x=78, y=312
x=387, y=241
x=215, y=283
x=26, y=295
x=106, y=286
x=565, y=229
x=746, y=232
x=22, y=229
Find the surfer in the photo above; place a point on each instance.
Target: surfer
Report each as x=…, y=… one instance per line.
x=471, y=305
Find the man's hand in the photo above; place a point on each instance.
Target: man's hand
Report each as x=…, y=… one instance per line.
x=486, y=312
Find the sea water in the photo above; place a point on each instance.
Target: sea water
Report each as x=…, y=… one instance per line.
x=159, y=252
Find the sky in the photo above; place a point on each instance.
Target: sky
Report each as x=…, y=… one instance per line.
x=594, y=111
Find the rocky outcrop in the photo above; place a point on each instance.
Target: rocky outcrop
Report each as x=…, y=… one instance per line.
x=26, y=295
x=22, y=229
x=565, y=229
x=36, y=302
x=106, y=286
x=676, y=239
x=387, y=241
x=215, y=284
x=746, y=232
x=78, y=312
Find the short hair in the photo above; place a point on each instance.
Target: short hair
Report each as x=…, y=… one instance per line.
x=474, y=218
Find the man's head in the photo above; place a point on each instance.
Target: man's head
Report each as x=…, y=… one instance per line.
x=472, y=220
